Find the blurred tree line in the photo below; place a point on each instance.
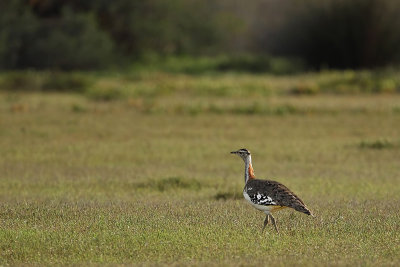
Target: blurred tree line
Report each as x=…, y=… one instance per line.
x=74, y=34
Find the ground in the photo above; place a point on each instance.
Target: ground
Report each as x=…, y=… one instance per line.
x=84, y=180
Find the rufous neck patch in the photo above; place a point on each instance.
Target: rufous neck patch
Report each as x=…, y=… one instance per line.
x=251, y=172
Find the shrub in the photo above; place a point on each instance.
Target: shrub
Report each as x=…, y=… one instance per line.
x=71, y=82
x=245, y=63
x=18, y=29
x=44, y=81
x=342, y=33
x=73, y=42
x=105, y=93
x=70, y=41
x=21, y=81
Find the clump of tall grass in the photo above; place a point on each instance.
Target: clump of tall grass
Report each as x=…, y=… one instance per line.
x=248, y=109
x=361, y=82
x=376, y=144
x=306, y=88
x=66, y=82
x=105, y=94
x=349, y=82
x=153, y=85
x=29, y=81
x=245, y=63
x=228, y=196
x=170, y=183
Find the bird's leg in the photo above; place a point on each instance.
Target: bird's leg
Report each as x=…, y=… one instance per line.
x=266, y=221
x=273, y=222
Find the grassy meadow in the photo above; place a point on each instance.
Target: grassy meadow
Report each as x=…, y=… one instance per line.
x=124, y=168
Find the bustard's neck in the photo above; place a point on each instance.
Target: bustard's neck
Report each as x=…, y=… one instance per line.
x=248, y=171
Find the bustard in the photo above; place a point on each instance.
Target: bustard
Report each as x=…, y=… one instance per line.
x=265, y=195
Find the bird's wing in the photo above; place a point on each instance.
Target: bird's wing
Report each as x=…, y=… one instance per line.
x=265, y=192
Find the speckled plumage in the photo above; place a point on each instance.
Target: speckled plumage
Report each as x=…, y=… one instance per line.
x=271, y=193
x=265, y=195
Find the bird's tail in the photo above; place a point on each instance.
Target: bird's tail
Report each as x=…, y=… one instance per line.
x=305, y=210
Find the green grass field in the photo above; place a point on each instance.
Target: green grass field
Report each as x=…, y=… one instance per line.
x=125, y=175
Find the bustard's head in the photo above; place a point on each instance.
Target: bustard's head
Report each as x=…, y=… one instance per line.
x=243, y=153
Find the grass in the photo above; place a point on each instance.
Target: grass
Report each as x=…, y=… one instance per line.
x=150, y=83
x=144, y=180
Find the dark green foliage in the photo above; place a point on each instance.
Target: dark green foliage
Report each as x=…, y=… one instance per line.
x=69, y=41
x=73, y=42
x=259, y=64
x=65, y=35
x=342, y=34
x=73, y=35
x=245, y=63
x=235, y=63
x=161, y=27
x=182, y=64
x=18, y=29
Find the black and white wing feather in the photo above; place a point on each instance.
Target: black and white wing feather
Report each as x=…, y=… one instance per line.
x=260, y=198
x=271, y=193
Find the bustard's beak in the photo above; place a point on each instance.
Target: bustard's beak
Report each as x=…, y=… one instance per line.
x=234, y=152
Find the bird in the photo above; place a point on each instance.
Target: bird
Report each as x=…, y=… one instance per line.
x=266, y=195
